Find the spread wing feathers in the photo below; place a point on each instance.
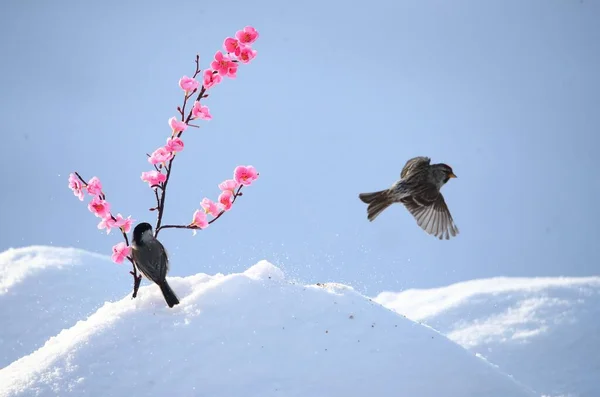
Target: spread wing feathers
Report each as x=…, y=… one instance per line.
x=413, y=165
x=432, y=214
x=151, y=261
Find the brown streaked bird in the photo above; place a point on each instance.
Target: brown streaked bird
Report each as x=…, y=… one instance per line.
x=419, y=190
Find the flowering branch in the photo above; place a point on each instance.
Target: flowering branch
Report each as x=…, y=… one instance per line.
x=238, y=50
x=193, y=226
x=101, y=208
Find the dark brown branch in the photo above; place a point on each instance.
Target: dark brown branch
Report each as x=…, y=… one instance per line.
x=157, y=199
x=192, y=227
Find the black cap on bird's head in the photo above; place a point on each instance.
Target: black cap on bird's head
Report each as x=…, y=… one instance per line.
x=139, y=230
x=448, y=170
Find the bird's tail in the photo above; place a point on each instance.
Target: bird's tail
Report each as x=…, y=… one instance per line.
x=378, y=201
x=169, y=295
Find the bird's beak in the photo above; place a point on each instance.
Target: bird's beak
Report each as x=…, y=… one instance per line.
x=452, y=175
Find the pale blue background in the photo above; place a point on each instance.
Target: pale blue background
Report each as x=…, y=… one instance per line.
x=339, y=97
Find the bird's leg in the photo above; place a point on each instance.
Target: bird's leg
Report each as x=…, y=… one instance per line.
x=137, y=279
x=136, y=285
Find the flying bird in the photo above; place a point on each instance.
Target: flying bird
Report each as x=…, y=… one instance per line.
x=419, y=190
x=150, y=258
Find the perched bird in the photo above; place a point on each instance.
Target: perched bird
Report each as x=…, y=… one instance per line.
x=150, y=258
x=419, y=190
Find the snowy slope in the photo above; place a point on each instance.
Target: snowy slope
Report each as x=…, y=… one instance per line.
x=45, y=289
x=249, y=334
x=543, y=331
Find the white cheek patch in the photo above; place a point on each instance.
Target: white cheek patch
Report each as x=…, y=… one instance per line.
x=147, y=236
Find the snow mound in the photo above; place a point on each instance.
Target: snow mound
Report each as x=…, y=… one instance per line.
x=17, y=264
x=540, y=330
x=248, y=334
x=45, y=289
x=264, y=270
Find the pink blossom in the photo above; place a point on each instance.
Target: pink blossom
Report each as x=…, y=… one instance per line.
x=99, y=207
x=247, y=36
x=199, y=219
x=211, y=78
x=232, y=46
x=222, y=63
x=228, y=185
x=174, y=145
x=76, y=186
x=245, y=175
x=123, y=224
x=120, y=252
x=160, y=155
x=232, y=71
x=107, y=223
x=200, y=112
x=210, y=207
x=153, y=177
x=225, y=199
x=177, y=125
x=188, y=84
x=246, y=54
x=94, y=187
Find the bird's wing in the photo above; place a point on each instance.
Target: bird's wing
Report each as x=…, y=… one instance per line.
x=152, y=261
x=432, y=213
x=414, y=164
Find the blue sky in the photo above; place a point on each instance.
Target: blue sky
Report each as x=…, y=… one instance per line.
x=337, y=100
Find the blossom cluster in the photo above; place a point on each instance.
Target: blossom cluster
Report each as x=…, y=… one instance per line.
x=238, y=50
x=242, y=176
x=101, y=209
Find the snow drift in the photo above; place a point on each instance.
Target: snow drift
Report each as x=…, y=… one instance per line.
x=544, y=330
x=248, y=334
x=44, y=290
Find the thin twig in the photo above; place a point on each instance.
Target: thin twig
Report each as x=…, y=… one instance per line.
x=194, y=227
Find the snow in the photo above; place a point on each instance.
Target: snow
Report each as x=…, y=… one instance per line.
x=541, y=330
x=248, y=334
x=45, y=289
